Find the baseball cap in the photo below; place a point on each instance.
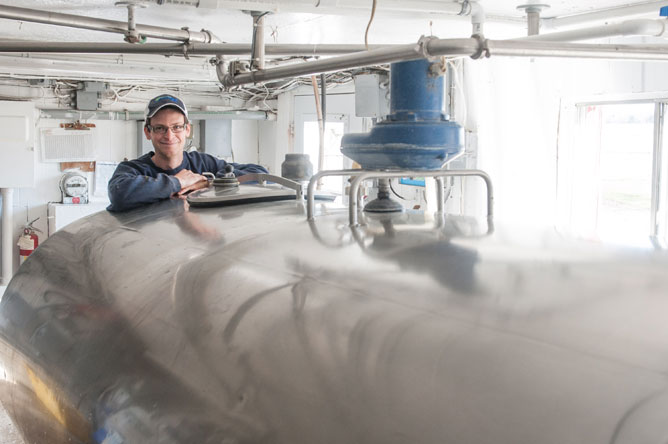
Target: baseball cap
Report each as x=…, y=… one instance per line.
x=163, y=101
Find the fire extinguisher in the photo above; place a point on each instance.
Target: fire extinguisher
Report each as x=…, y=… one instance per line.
x=28, y=241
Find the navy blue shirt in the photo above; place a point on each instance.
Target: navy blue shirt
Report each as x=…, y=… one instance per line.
x=140, y=181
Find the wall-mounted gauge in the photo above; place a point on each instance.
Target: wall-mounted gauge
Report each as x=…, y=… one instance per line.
x=74, y=187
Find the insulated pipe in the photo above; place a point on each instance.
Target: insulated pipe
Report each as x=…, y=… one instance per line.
x=605, y=14
x=97, y=24
x=7, y=233
x=642, y=27
x=180, y=49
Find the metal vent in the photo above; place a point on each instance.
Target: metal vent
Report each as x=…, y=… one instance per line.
x=67, y=146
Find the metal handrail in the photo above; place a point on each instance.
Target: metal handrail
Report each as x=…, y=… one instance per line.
x=310, y=195
x=355, y=184
x=261, y=178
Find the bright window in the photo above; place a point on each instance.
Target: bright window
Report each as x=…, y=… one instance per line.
x=334, y=159
x=608, y=186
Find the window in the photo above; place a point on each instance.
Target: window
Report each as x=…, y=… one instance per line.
x=610, y=178
x=334, y=159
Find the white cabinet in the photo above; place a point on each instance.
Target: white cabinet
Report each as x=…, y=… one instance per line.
x=17, y=148
x=61, y=215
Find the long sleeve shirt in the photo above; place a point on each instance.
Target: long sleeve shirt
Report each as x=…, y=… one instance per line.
x=140, y=181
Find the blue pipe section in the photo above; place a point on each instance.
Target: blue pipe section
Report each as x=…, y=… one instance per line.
x=416, y=134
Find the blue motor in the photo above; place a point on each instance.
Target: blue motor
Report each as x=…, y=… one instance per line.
x=417, y=134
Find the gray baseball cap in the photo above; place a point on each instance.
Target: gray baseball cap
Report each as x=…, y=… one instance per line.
x=163, y=101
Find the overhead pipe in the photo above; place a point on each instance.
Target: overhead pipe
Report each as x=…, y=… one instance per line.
x=533, y=16
x=139, y=115
x=174, y=49
x=412, y=51
x=257, y=55
x=475, y=47
x=606, y=14
x=638, y=27
x=97, y=24
x=477, y=14
x=7, y=235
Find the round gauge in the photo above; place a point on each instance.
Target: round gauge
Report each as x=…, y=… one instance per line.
x=74, y=184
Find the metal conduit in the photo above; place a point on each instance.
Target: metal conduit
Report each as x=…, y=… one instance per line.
x=139, y=115
x=414, y=51
x=474, y=47
x=525, y=48
x=97, y=24
x=180, y=49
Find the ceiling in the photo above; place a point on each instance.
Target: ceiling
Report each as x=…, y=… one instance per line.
x=292, y=21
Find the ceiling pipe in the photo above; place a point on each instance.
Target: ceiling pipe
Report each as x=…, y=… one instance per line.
x=139, y=115
x=257, y=56
x=474, y=47
x=637, y=27
x=174, y=49
x=411, y=51
x=97, y=24
x=533, y=16
x=477, y=17
x=606, y=14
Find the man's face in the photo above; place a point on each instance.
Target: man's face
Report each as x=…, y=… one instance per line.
x=170, y=143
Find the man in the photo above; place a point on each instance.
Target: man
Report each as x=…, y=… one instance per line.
x=169, y=171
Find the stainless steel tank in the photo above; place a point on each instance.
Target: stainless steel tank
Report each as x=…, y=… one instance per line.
x=249, y=324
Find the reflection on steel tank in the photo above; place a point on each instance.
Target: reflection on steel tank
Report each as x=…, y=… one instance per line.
x=139, y=327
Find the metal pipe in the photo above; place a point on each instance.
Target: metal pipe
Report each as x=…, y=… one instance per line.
x=180, y=49
x=7, y=234
x=474, y=47
x=604, y=14
x=657, y=166
x=355, y=184
x=97, y=24
x=139, y=115
x=533, y=22
x=525, y=48
x=258, y=39
x=310, y=197
x=643, y=27
x=426, y=46
x=440, y=195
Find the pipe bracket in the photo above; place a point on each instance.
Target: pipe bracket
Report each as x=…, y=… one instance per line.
x=483, y=47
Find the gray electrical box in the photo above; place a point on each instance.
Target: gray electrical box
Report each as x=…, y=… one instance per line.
x=216, y=137
x=372, y=95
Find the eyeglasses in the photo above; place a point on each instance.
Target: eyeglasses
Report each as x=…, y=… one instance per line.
x=160, y=129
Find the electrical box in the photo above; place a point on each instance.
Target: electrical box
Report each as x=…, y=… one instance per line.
x=17, y=150
x=372, y=95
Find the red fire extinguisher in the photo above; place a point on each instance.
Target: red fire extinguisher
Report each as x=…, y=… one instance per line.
x=28, y=241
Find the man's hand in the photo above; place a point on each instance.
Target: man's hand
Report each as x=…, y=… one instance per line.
x=190, y=182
